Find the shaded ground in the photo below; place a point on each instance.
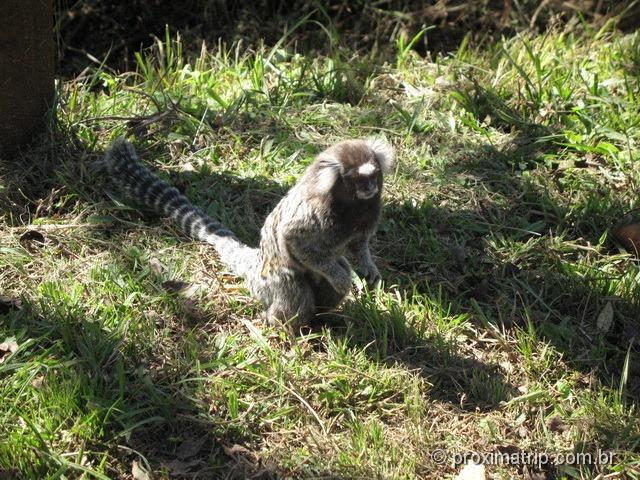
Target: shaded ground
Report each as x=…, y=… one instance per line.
x=94, y=32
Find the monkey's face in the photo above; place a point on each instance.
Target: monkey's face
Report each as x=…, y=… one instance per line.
x=364, y=181
x=352, y=169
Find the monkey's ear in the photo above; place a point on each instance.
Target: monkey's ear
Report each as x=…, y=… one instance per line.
x=383, y=151
x=329, y=169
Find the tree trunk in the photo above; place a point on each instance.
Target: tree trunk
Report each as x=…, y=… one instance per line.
x=26, y=70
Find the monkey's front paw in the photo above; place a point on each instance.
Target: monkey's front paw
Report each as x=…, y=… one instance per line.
x=372, y=276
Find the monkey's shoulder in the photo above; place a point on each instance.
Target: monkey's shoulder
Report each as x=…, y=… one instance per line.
x=337, y=221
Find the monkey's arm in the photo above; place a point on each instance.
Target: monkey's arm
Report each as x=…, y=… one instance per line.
x=366, y=266
x=312, y=254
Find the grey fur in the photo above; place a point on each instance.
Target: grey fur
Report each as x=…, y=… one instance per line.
x=299, y=268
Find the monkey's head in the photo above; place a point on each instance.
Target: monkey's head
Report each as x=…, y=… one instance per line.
x=352, y=170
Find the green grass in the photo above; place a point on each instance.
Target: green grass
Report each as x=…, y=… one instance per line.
x=517, y=160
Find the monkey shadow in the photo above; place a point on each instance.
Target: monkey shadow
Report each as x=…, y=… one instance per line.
x=47, y=177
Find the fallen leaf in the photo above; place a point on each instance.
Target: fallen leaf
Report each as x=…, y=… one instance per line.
x=629, y=237
x=190, y=447
x=96, y=219
x=180, y=467
x=175, y=286
x=472, y=471
x=37, y=382
x=605, y=319
x=138, y=472
x=508, y=449
x=8, y=347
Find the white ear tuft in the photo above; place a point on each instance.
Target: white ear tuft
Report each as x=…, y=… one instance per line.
x=383, y=151
x=329, y=168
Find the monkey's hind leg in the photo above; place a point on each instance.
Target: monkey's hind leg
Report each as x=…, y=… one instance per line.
x=292, y=302
x=326, y=298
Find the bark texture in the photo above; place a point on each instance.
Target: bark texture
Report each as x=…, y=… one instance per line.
x=26, y=70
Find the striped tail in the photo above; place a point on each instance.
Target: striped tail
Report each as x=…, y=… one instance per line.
x=145, y=187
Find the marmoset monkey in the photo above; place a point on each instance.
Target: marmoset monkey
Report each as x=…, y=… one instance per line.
x=300, y=267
